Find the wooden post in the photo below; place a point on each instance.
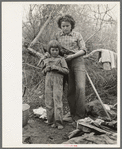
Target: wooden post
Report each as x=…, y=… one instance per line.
x=35, y=53
x=37, y=38
x=41, y=30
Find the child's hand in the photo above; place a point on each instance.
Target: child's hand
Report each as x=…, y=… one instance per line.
x=47, y=69
x=47, y=55
x=54, y=67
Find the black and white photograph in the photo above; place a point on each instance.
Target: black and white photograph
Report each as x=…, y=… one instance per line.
x=66, y=65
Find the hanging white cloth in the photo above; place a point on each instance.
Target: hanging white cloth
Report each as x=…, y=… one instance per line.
x=107, y=57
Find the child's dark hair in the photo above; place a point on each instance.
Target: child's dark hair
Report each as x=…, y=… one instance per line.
x=66, y=18
x=53, y=44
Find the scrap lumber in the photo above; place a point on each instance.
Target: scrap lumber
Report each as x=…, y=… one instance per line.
x=35, y=52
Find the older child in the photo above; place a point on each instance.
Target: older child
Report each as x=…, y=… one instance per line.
x=54, y=67
x=73, y=46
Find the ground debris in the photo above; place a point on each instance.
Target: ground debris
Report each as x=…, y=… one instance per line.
x=76, y=132
x=41, y=112
x=91, y=138
x=92, y=134
x=95, y=109
x=28, y=140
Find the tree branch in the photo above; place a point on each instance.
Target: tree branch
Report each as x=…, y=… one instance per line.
x=32, y=66
x=40, y=32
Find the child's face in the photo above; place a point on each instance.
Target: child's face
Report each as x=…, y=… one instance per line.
x=66, y=27
x=54, y=52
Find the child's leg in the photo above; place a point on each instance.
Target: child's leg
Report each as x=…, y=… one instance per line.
x=57, y=97
x=49, y=99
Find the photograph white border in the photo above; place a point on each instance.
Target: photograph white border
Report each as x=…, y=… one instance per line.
x=12, y=76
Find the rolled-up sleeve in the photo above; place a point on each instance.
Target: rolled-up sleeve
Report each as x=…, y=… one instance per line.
x=64, y=66
x=81, y=43
x=63, y=63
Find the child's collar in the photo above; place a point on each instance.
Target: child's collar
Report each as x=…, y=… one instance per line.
x=56, y=57
x=69, y=34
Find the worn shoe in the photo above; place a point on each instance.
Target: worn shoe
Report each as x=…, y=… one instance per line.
x=68, y=119
x=48, y=123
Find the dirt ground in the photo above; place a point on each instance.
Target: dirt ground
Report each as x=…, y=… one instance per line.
x=38, y=132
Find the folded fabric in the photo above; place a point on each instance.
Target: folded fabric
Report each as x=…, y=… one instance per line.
x=91, y=138
x=107, y=66
x=113, y=59
x=105, y=56
x=41, y=112
x=108, y=58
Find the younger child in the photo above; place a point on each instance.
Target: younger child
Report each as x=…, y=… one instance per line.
x=54, y=67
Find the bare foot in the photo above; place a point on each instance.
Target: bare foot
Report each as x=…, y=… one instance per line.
x=53, y=125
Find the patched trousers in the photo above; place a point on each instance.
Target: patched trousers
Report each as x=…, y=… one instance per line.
x=76, y=88
x=53, y=97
